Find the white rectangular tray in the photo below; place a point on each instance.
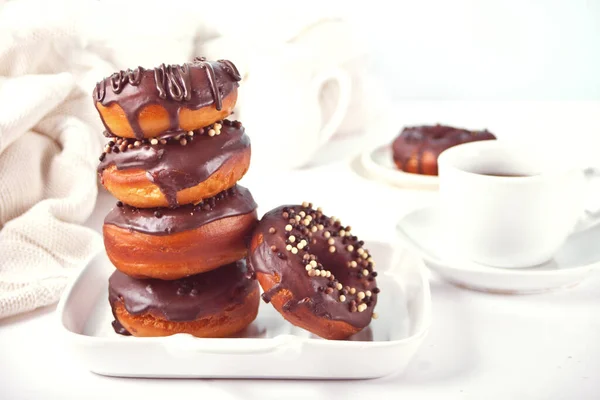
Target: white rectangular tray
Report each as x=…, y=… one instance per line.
x=270, y=348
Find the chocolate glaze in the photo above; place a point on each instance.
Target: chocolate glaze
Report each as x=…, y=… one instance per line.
x=186, y=299
x=120, y=329
x=173, y=167
x=271, y=257
x=413, y=142
x=191, y=85
x=164, y=221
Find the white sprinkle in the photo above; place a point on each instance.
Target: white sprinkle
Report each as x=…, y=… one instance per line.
x=331, y=241
x=350, y=247
x=368, y=293
x=294, y=250
x=339, y=286
x=352, y=290
x=288, y=247
x=288, y=227
x=342, y=298
x=361, y=295
x=308, y=267
x=375, y=316
x=365, y=272
x=292, y=238
x=362, y=307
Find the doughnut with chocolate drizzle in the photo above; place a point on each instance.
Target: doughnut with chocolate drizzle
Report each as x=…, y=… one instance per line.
x=314, y=271
x=171, y=243
x=167, y=100
x=181, y=170
x=214, y=304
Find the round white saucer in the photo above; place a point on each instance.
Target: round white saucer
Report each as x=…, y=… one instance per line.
x=378, y=163
x=420, y=231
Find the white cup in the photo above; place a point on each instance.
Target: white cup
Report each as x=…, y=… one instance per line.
x=506, y=206
x=280, y=104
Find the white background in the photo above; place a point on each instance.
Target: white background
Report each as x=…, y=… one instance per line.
x=469, y=49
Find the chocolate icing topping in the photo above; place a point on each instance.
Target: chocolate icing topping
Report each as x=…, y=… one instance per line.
x=414, y=141
x=332, y=252
x=185, y=299
x=173, y=167
x=154, y=221
x=191, y=85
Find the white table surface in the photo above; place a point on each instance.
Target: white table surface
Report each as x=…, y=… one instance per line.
x=480, y=346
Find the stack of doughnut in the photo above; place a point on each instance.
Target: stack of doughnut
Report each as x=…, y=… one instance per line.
x=179, y=232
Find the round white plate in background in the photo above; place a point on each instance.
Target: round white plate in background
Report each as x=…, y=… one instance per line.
x=379, y=165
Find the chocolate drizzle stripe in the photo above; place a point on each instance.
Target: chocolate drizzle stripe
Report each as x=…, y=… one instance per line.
x=232, y=70
x=212, y=79
x=100, y=91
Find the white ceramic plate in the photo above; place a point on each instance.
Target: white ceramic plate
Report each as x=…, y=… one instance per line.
x=420, y=231
x=379, y=164
x=269, y=348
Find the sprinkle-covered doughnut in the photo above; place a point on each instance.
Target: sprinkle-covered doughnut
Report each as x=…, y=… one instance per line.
x=183, y=169
x=314, y=271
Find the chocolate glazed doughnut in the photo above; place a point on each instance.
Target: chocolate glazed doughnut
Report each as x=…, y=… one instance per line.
x=314, y=271
x=417, y=148
x=167, y=100
x=218, y=303
x=174, y=243
x=181, y=170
